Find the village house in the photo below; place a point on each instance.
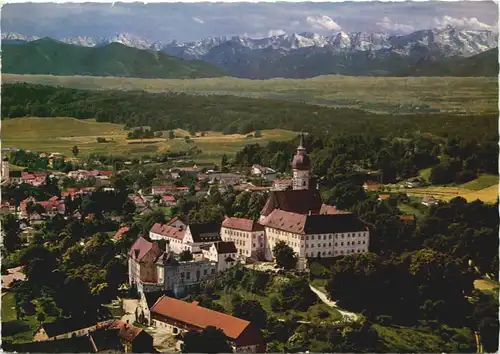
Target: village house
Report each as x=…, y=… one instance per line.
x=223, y=253
x=230, y=179
x=178, y=317
x=70, y=327
x=50, y=207
x=178, y=222
x=248, y=236
x=15, y=177
x=142, y=270
x=7, y=206
x=382, y=197
x=371, y=186
x=168, y=200
x=120, y=233
x=413, y=182
x=198, y=235
x=263, y=172
x=174, y=235
x=429, y=200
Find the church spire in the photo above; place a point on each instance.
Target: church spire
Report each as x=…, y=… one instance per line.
x=301, y=146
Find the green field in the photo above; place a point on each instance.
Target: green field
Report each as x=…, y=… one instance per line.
x=376, y=94
x=61, y=134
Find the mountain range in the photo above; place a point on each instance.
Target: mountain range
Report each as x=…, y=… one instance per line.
x=48, y=56
x=310, y=54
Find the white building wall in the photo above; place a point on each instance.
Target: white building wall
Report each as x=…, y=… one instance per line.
x=300, y=180
x=176, y=245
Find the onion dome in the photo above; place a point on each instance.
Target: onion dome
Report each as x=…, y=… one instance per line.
x=301, y=160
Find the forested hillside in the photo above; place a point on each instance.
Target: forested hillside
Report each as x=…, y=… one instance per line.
x=230, y=114
x=48, y=56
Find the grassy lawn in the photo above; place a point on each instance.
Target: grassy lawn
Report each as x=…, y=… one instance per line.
x=410, y=210
x=425, y=173
x=482, y=182
x=487, y=195
x=377, y=94
x=61, y=134
x=311, y=315
x=17, y=331
x=406, y=339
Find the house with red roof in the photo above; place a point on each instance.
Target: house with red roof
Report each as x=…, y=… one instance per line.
x=248, y=236
x=50, y=207
x=174, y=235
x=168, y=200
x=120, y=233
x=142, y=259
x=177, y=317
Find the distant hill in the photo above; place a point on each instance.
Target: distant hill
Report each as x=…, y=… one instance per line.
x=48, y=56
x=483, y=64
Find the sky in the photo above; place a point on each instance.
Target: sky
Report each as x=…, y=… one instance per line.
x=190, y=21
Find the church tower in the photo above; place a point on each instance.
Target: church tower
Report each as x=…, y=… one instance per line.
x=5, y=169
x=301, y=167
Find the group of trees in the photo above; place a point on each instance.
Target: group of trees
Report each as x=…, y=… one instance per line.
x=167, y=111
x=32, y=161
x=141, y=133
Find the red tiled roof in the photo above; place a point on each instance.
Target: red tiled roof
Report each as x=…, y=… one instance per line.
x=168, y=231
x=126, y=331
x=242, y=224
x=225, y=247
x=384, y=196
x=295, y=201
x=199, y=316
x=169, y=198
x=332, y=209
x=406, y=217
x=141, y=247
x=119, y=234
x=313, y=224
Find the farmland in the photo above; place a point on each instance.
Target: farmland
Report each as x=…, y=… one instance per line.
x=375, y=94
x=484, y=188
x=61, y=134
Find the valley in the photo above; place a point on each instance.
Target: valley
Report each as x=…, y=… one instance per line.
x=375, y=94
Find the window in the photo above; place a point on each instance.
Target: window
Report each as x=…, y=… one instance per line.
x=336, y=244
x=348, y=243
x=329, y=252
x=182, y=274
x=213, y=271
x=363, y=242
x=205, y=271
x=329, y=244
x=329, y=237
x=359, y=242
x=342, y=235
x=312, y=237
x=324, y=237
x=324, y=244
x=342, y=243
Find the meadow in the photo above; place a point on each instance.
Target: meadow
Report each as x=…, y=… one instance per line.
x=484, y=188
x=376, y=94
x=61, y=134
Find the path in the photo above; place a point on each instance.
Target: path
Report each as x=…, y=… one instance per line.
x=348, y=316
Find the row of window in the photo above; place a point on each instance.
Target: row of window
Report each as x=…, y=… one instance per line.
x=312, y=237
x=330, y=253
x=188, y=274
x=349, y=243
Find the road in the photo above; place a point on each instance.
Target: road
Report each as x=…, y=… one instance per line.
x=348, y=316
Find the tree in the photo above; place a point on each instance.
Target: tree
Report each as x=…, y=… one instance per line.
x=223, y=163
x=11, y=230
x=284, y=255
x=250, y=310
x=257, y=134
x=40, y=317
x=171, y=134
x=75, y=151
x=209, y=340
x=185, y=256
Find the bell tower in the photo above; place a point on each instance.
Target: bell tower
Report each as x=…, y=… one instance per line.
x=301, y=167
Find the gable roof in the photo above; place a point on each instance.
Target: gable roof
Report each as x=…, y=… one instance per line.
x=178, y=218
x=199, y=316
x=313, y=224
x=225, y=247
x=119, y=234
x=66, y=325
x=168, y=231
x=242, y=224
x=295, y=201
x=205, y=232
x=141, y=247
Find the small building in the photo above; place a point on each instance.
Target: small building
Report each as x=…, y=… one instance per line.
x=371, y=186
x=264, y=172
x=201, y=234
x=224, y=253
x=168, y=200
x=248, y=236
x=382, y=197
x=15, y=177
x=177, y=317
x=173, y=235
x=142, y=268
x=178, y=222
x=429, y=200
x=120, y=233
x=414, y=182
x=69, y=327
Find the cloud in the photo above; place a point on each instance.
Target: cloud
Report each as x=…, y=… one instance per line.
x=388, y=25
x=199, y=20
x=323, y=22
x=275, y=32
x=464, y=22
